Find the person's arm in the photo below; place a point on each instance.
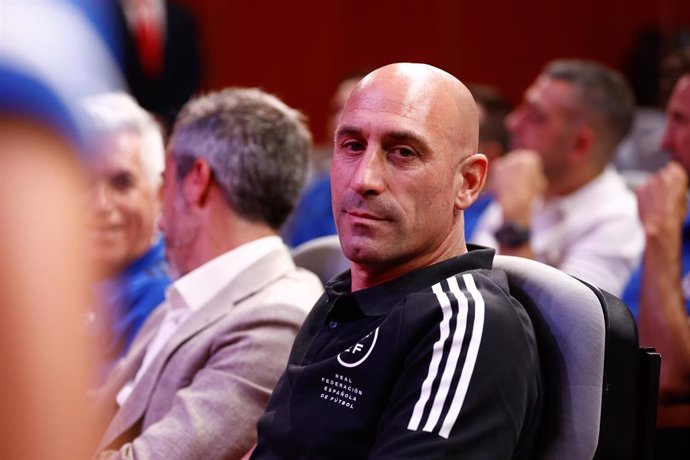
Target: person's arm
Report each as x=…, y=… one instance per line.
x=517, y=180
x=663, y=319
x=489, y=407
x=215, y=415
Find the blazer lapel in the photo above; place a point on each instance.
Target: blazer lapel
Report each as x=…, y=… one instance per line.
x=126, y=368
x=263, y=272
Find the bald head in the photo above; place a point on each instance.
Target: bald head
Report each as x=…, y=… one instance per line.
x=404, y=168
x=428, y=95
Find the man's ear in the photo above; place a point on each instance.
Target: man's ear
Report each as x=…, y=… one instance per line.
x=473, y=171
x=583, y=144
x=197, y=182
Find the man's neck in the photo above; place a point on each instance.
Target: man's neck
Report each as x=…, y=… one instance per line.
x=563, y=186
x=368, y=275
x=218, y=239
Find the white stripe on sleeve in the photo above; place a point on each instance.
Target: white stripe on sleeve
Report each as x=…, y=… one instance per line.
x=453, y=356
x=470, y=361
x=437, y=354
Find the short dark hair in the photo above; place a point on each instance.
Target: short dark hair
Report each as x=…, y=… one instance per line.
x=256, y=146
x=674, y=67
x=605, y=93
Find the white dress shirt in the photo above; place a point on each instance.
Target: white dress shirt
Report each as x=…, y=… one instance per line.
x=593, y=233
x=189, y=293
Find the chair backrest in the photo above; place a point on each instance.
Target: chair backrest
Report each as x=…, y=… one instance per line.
x=600, y=387
x=322, y=256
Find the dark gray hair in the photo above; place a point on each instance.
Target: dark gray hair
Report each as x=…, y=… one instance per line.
x=605, y=94
x=256, y=146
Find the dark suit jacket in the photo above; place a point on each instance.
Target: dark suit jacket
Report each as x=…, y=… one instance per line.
x=180, y=78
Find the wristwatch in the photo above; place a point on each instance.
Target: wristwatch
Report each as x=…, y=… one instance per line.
x=512, y=234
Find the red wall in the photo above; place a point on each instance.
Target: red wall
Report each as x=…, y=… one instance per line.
x=300, y=49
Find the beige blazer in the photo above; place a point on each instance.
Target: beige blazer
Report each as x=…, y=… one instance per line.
x=203, y=394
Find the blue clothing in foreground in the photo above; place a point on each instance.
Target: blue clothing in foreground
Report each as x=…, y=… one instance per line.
x=129, y=298
x=631, y=295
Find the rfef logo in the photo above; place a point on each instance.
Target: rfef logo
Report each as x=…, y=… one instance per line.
x=359, y=352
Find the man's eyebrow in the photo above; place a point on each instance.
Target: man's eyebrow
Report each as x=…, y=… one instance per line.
x=347, y=131
x=392, y=135
x=404, y=136
x=411, y=138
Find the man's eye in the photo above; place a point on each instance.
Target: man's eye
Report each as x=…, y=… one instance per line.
x=403, y=152
x=679, y=118
x=353, y=146
x=122, y=181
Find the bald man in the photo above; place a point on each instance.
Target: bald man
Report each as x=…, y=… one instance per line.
x=404, y=357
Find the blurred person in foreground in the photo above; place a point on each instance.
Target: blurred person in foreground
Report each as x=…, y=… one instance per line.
x=128, y=161
x=417, y=306
x=558, y=198
x=46, y=363
x=200, y=371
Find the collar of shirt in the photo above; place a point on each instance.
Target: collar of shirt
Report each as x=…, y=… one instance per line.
x=196, y=288
x=378, y=300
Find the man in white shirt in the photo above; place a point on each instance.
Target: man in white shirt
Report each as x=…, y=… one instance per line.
x=202, y=367
x=558, y=199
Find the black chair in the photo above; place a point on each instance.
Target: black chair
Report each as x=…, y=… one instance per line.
x=601, y=388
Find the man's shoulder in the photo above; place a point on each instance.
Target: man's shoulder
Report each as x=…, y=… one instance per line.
x=483, y=287
x=298, y=287
x=275, y=281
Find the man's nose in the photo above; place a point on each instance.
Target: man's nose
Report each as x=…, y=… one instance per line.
x=101, y=197
x=368, y=177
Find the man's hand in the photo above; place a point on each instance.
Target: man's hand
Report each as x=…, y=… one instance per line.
x=663, y=206
x=516, y=180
